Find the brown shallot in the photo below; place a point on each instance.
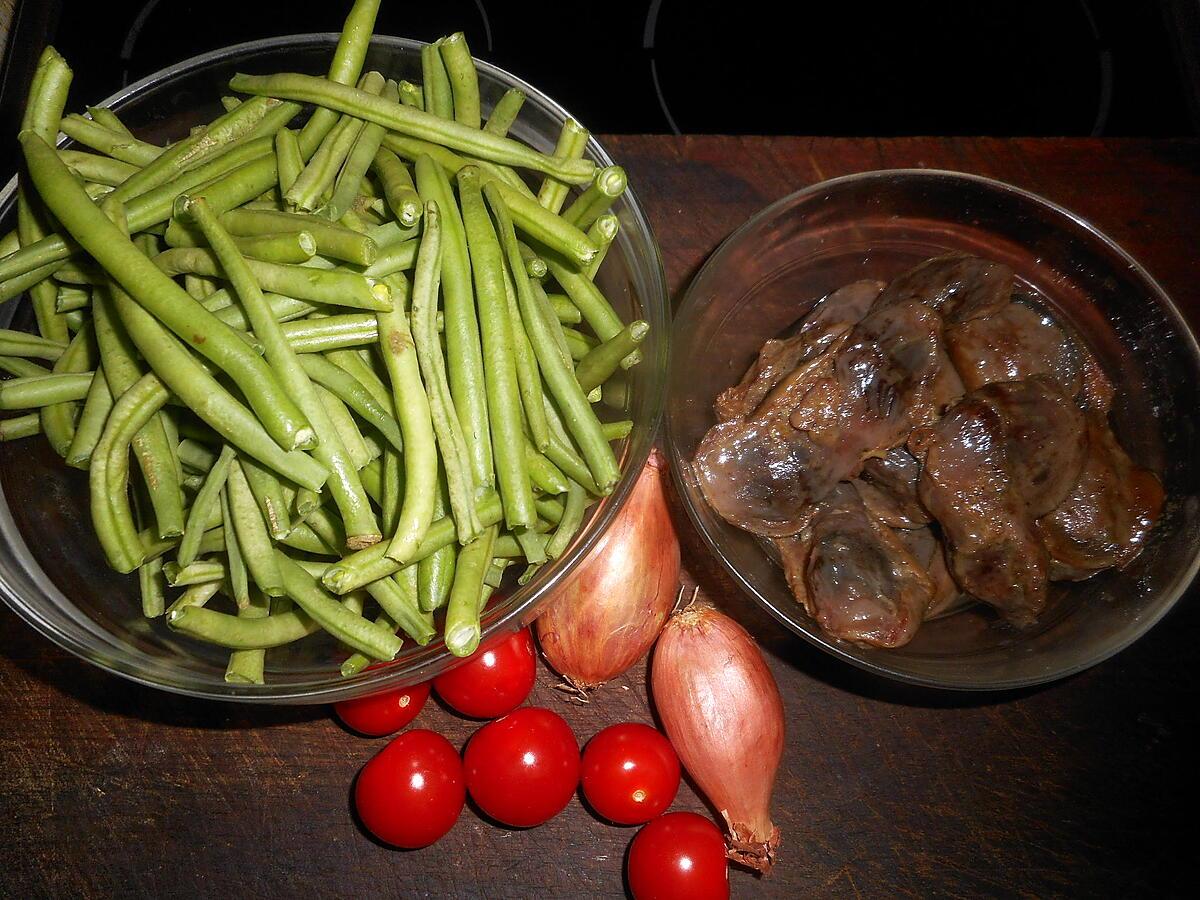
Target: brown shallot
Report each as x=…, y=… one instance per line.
x=607, y=613
x=721, y=709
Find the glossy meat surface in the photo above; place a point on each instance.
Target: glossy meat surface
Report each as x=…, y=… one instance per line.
x=854, y=575
x=956, y=286
x=888, y=487
x=1013, y=343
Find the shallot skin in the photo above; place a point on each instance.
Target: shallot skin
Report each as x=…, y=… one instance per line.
x=721, y=708
x=607, y=614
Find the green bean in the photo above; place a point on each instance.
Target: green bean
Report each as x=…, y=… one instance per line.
x=572, y=517
x=354, y=169
x=561, y=451
x=398, y=187
x=572, y=141
x=203, y=506
x=246, y=666
x=42, y=295
x=350, y=391
x=596, y=310
x=326, y=526
x=413, y=149
x=237, y=575
x=20, y=426
x=79, y=273
x=435, y=573
x=347, y=63
x=395, y=258
x=535, y=266
x=93, y=167
x=194, y=455
x=200, y=572
x=545, y=227
x=564, y=310
x=311, y=336
x=466, y=375
x=370, y=564
x=349, y=628
x=251, y=530
x=212, y=140
x=416, y=426
x=288, y=161
x=241, y=633
x=356, y=662
x=437, y=93
x=71, y=298
x=580, y=419
x=22, y=368
x=19, y=284
x=332, y=240
x=329, y=451
x=58, y=419
x=455, y=453
x=303, y=538
x=546, y=476
x=411, y=94
x=284, y=247
x=464, y=81
x=414, y=122
x=462, y=630
x=505, y=112
x=616, y=431
x=300, y=282
x=109, y=473
x=400, y=605
x=110, y=143
x=602, y=233
x=166, y=300
x=151, y=588
x=28, y=393
x=21, y=343
x=47, y=95
x=194, y=597
x=529, y=379
x=500, y=371
x=610, y=184
x=602, y=361
x=351, y=362
x=268, y=494
x=317, y=178
x=347, y=430
x=391, y=489
x=96, y=407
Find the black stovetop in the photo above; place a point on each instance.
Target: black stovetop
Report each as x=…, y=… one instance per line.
x=917, y=67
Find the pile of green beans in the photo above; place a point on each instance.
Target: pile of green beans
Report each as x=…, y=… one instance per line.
x=362, y=365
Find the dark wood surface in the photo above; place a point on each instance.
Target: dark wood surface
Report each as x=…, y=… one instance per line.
x=1081, y=788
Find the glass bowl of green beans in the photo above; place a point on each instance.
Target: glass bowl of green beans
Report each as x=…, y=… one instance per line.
x=53, y=570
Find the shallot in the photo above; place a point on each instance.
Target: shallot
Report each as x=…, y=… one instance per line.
x=721, y=709
x=608, y=612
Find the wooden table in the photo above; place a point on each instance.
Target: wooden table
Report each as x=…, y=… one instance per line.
x=1080, y=788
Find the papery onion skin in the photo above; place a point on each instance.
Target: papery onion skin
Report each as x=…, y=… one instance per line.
x=721, y=708
x=606, y=615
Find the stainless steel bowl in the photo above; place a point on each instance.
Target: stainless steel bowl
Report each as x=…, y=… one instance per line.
x=52, y=572
x=875, y=225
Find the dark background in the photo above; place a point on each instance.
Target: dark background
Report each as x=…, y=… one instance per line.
x=1003, y=67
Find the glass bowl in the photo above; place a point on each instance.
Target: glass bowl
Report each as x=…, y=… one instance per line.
x=52, y=572
x=875, y=225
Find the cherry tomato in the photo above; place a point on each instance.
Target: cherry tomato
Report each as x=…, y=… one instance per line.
x=412, y=791
x=493, y=681
x=384, y=713
x=680, y=854
x=523, y=769
x=630, y=773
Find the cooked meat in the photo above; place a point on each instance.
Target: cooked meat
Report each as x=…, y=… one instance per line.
x=1013, y=343
x=888, y=487
x=1004, y=455
x=812, y=431
x=832, y=315
x=1105, y=518
x=910, y=333
x=927, y=550
x=854, y=575
x=958, y=287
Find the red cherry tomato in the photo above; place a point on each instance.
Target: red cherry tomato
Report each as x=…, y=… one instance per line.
x=494, y=681
x=412, y=791
x=384, y=713
x=523, y=769
x=630, y=773
x=680, y=854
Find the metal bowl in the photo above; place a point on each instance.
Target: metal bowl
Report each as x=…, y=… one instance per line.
x=52, y=572
x=875, y=225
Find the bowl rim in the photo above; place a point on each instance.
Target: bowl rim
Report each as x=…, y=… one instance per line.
x=635, y=452
x=1186, y=573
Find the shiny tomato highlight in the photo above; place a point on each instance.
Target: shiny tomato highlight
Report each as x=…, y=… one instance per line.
x=680, y=854
x=630, y=773
x=384, y=713
x=492, y=682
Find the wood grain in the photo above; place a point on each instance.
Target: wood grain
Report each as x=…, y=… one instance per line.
x=1077, y=789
